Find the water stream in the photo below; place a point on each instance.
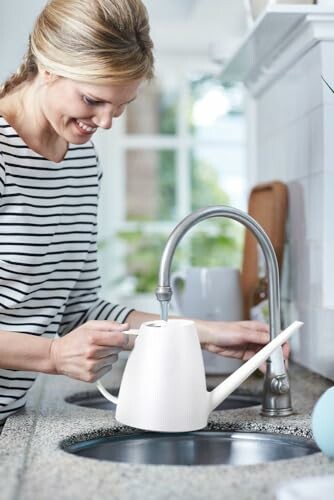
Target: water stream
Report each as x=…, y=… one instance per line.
x=164, y=310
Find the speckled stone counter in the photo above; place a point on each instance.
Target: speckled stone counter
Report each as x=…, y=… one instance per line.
x=34, y=467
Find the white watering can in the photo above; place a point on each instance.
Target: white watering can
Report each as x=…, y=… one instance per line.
x=163, y=387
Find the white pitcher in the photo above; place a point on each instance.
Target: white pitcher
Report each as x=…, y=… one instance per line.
x=209, y=293
x=163, y=386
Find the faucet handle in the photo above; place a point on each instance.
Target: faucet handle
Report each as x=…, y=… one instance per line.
x=280, y=384
x=276, y=400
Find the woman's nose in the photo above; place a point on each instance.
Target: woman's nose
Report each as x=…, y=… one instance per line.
x=103, y=120
x=105, y=116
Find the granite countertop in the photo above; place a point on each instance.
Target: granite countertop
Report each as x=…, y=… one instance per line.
x=34, y=467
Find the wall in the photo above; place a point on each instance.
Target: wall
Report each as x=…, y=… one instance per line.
x=16, y=21
x=295, y=143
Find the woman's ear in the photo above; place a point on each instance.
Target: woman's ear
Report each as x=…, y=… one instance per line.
x=46, y=75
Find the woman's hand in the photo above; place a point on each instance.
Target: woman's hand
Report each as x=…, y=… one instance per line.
x=88, y=352
x=235, y=339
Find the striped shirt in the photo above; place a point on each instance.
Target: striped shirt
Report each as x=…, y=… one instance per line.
x=49, y=280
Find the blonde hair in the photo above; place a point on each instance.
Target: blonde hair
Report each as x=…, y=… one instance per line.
x=88, y=41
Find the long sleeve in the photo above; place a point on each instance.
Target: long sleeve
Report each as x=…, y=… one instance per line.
x=84, y=303
x=2, y=175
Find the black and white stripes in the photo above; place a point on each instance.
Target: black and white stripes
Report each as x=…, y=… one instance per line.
x=49, y=279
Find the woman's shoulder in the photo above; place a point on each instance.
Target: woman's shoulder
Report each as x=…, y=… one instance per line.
x=4, y=125
x=2, y=166
x=5, y=112
x=7, y=132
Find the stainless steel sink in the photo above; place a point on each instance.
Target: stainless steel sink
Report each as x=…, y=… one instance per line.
x=194, y=448
x=95, y=400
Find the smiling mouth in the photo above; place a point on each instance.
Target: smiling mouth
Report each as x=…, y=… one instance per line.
x=84, y=128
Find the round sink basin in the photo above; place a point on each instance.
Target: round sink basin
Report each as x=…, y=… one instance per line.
x=194, y=448
x=97, y=401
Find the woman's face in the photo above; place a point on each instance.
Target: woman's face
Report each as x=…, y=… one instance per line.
x=75, y=110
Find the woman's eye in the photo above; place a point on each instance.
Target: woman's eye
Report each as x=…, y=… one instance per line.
x=89, y=101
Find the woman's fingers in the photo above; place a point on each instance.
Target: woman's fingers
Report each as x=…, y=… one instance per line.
x=104, y=352
x=239, y=337
x=286, y=350
x=105, y=338
x=253, y=336
x=235, y=333
x=106, y=326
x=105, y=362
x=242, y=352
x=86, y=350
x=254, y=325
x=101, y=373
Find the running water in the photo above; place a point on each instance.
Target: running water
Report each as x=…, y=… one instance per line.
x=164, y=310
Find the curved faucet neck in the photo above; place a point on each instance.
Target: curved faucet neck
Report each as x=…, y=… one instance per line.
x=164, y=291
x=275, y=364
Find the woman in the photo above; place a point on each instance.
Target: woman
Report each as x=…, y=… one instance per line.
x=85, y=62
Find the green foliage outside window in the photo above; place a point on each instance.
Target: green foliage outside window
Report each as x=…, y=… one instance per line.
x=167, y=193
x=218, y=247
x=167, y=113
x=216, y=242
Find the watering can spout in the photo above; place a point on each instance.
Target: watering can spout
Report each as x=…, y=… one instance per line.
x=223, y=390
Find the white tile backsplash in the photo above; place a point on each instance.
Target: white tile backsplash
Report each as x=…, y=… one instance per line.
x=296, y=145
x=314, y=207
x=327, y=70
x=316, y=140
x=297, y=209
x=328, y=198
x=328, y=273
x=328, y=119
x=322, y=340
x=289, y=100
x=315, y=277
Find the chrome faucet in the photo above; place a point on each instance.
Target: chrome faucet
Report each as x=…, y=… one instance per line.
x=276, y=392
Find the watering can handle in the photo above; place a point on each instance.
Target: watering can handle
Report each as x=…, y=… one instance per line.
x=101, y=387
x=175, y=279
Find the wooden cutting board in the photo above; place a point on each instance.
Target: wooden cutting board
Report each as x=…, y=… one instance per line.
x=268, y=205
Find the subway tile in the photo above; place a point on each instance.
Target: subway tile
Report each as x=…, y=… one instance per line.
x=328, y=206
x=313, y=347
x=316, y=274
x=328, y=118
x=315, y=207
x=321, y=338
x=297, y=190
x=327, y=71
x=302, y=343
x=300, y=272
x=316, y=140
x=328, y=275
x=293, y=314
x=301, y=133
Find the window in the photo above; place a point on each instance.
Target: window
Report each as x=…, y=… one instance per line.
x=179, y=148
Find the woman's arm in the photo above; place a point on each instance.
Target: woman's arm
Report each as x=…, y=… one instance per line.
x=20, y=351
x=88, y=352
x=85, y=353
x=236, y=339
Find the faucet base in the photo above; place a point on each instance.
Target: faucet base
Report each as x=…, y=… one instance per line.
x=276, y=401
x=276, y=412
